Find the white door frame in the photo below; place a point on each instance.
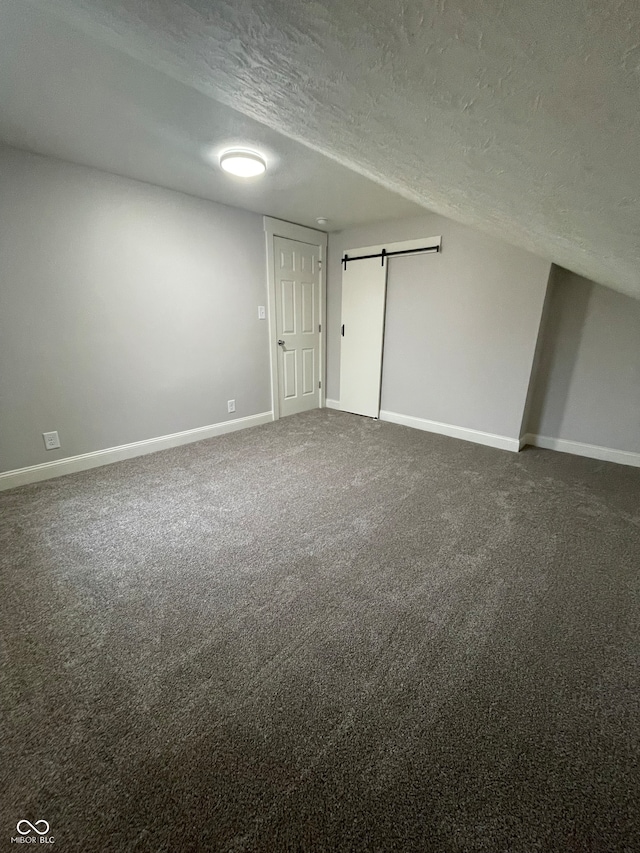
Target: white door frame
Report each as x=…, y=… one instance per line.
x=279, y=228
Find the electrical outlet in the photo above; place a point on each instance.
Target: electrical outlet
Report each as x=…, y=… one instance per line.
x=51, y=440
x=262, y=312
x=231, y=405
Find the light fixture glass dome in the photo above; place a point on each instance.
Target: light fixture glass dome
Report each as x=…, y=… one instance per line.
x=244, y=164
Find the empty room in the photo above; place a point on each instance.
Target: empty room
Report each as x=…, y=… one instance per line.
x=320, y=426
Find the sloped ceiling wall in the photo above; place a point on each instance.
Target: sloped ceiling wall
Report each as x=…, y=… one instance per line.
x=69, y=96
x=522, y=119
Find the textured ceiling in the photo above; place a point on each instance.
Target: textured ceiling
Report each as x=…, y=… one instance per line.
x=520, y=118
x=65, y=94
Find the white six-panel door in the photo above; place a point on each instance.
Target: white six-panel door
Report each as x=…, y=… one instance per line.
x=364, y=285
x=297, y=284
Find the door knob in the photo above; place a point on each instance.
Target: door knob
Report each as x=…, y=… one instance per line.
x=280, y=343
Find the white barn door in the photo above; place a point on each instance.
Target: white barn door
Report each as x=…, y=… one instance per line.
x=364, y=289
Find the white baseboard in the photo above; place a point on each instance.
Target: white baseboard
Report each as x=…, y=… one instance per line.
x=502, y=442
x=332, y=404
x=593, y=451
x=73, y=464
x=525, y=439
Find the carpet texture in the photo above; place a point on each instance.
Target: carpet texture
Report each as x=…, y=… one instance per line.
x=325, y=634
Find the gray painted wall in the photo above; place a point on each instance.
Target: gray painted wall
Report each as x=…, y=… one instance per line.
x=587, y=384
x=461, y=327
x=127, y=311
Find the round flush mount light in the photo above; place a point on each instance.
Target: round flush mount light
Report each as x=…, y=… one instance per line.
x=243, y=164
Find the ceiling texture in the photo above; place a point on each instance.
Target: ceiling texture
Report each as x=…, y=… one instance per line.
x=522, y=119
x=64, y=94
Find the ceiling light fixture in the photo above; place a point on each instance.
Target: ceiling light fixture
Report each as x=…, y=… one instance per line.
x=244, y=164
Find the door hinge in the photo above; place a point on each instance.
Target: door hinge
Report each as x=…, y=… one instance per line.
x=319, y=327
x=319, y=264
x=319, y=384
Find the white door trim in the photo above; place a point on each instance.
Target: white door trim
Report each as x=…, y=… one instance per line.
x=279, y=228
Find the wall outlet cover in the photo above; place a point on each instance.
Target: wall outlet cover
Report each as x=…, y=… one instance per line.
x=51, y=440
x=231, y=405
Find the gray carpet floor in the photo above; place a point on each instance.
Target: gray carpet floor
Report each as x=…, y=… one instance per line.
x=325, y=634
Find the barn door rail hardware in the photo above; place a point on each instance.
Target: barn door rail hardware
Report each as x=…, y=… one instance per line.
x=384, y=254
